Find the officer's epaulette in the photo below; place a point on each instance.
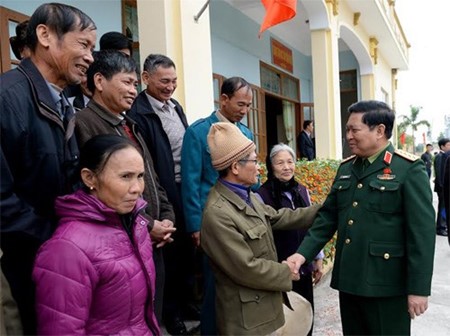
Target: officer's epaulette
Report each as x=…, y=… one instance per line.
x=348, y=159
x=406, y=155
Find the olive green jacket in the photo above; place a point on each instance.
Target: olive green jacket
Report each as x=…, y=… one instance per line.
x=239, y=242
x=386, y=229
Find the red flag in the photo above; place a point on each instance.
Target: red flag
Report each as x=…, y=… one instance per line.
x=403, y=138
x=277, y=11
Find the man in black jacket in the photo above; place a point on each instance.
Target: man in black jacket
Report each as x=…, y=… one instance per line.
x=305, y=142
x=163, y=123
x=39, y=152
x=427, y=158
x=446, y=189
x=444, y=147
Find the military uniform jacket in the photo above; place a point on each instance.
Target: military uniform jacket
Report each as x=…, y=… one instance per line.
x=385, y=222
x=249, y=279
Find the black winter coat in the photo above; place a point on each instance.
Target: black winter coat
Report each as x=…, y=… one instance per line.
x=38, y=163
x=286, y=241
x=158, y=144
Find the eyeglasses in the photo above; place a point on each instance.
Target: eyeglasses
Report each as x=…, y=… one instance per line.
x=247, y=160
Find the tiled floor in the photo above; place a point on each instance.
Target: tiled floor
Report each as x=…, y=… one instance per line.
x=327, y=320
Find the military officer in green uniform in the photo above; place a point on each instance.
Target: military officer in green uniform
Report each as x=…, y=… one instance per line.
x=381, y=206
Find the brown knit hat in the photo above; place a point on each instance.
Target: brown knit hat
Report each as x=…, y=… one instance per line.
x=227, y=144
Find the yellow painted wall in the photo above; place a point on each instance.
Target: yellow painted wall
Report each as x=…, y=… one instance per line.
x=168, y=27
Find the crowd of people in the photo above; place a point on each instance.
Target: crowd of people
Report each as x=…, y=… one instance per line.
x=436, y=166
x=111, y=203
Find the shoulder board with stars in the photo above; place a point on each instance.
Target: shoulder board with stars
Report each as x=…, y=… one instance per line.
x=348, y=159
x=406, y=155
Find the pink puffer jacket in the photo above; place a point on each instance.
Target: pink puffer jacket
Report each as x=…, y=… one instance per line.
x=91, y=278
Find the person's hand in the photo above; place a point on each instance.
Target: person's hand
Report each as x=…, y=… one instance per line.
x=417, y=305
x=196, y=238
x=295, y=275
x=167, y=223
x=297, y=260
x=317, y=270
x=162, y=232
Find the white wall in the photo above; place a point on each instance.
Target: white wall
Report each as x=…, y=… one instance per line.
x=229, y=60
x=384, y=81
x=236, y=49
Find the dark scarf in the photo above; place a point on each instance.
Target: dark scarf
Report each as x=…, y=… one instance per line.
x=278, y=188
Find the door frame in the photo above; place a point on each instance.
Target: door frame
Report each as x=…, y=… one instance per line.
x=7, y=15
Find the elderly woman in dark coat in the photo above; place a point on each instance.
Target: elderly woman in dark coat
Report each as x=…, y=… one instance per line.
x=281, y=190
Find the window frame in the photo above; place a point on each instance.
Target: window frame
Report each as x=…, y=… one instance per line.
x=7, y=15
x=281, y=75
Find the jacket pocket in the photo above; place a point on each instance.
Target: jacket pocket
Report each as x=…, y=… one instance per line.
x=386, y=266
x=258, y=307
x=343, y=193
x=384, y=196
x=257, y=240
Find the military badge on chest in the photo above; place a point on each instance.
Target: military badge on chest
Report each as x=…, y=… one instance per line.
x=387, y=172
x=387, y=175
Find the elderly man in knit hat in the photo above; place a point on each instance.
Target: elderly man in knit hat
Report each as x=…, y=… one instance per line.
x=237, y=236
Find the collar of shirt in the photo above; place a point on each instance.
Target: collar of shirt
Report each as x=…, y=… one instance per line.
x=372, y=158
x=59, y=98
x=240, y=190
x=221, y=117
x=158, y=105
x=55, y=91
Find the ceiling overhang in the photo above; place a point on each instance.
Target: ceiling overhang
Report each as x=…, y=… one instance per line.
x=313, y=15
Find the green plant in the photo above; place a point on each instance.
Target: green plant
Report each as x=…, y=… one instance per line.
x=412, y=123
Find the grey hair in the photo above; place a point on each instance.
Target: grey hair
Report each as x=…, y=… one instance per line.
x=154, y=61
x=279, y=148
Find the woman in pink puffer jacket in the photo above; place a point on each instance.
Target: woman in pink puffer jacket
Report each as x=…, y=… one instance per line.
x=96, y=274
